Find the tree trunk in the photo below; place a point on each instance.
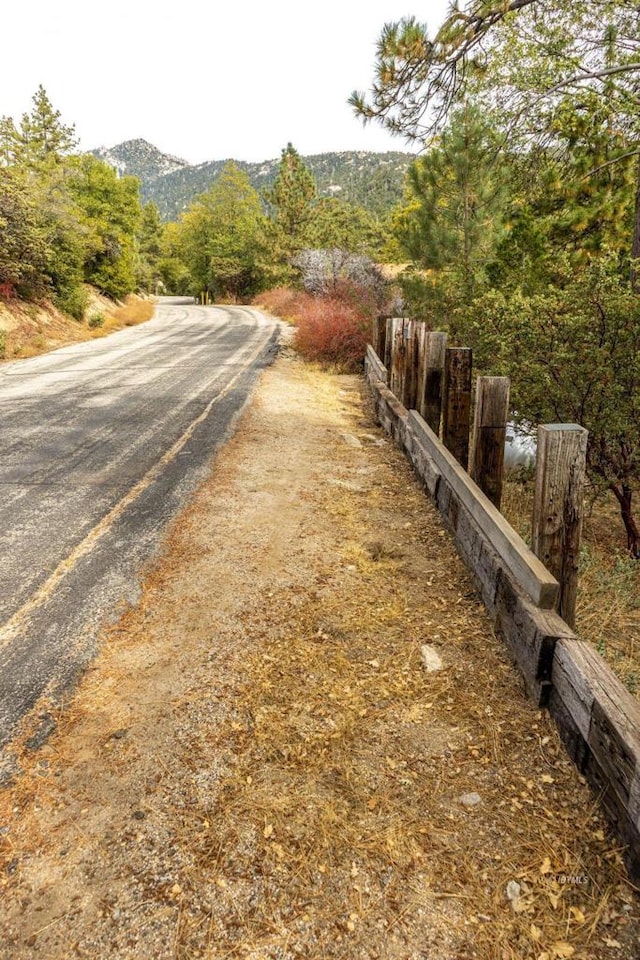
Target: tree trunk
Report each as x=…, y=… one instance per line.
x=635, y=246
x=623, y=494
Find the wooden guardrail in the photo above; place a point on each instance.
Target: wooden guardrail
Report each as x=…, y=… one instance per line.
x=598, y=719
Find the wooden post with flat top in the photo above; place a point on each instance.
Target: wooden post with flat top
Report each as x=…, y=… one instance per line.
x=388, y=344
x=456, y=408
x=410, y=382
x=489, y=435
x=558, y=507
x=430, y=388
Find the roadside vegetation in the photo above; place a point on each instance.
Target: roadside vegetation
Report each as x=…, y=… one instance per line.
x=70, y=225
x=520, y=236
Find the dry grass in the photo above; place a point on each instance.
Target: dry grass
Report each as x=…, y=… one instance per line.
x=283, y=302
x=33, y=329
x=134, y=310
x=608, y=609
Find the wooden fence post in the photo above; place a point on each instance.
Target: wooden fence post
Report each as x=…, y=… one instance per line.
x=558, y=507
x=456, y=408
x=410, y=383
x=431, y=376
x=396, y=374
x=381, y=343
x=379, y=335
x=489, y=435
x=387, y=359
x=375, y=334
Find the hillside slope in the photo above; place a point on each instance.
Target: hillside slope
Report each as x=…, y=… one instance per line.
x=374, y=180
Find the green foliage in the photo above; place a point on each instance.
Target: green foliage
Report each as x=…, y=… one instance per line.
x=72, y=299
x=24, y=245
x=451, y=221
x=65, y=219
x=291, y=199
x=41, y=136
x=95, y=320
x=149, y=240
x=571, y=352
x=220, y=238
x=3, y=344
x=335, y=224
x=108, y=211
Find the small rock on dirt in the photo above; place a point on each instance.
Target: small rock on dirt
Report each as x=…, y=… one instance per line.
x=470, y=799
x=431, y=658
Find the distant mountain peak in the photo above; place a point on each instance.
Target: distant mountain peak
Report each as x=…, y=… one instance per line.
x=373, y=180
x=140, y=159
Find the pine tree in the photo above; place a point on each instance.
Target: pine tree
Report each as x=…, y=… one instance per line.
x=9, y=142
x=220, y=237
x=452, y=219
x=42, y=135
x=292, y=197
x=24, y=246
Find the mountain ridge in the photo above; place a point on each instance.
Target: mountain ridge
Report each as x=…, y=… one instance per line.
x=373, y=180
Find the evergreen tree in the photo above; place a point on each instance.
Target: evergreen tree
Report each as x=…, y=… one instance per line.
x=292, y=198
x=24, y=245
x=108, y=212
x=336, y=224
x=452, y=219
x=149, y=239
x=9, y=142
x=220, y=237
x=42, y=135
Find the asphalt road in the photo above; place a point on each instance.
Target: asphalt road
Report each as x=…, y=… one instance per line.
x=100, y=444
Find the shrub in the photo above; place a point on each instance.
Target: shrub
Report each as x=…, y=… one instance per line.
x=134, y=310
x=95, y=320
x=331, y=330
x=327, y=271
x=73, y=301
x=284, y=302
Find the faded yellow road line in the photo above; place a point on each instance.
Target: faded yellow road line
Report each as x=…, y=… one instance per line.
x=20, y=618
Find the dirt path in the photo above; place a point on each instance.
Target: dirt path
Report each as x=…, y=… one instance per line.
x=261, y=763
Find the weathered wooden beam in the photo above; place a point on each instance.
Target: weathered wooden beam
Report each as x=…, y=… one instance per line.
x=386, y=357
x=599, y=722
x=558, y=507
x=410, y=384
x=374, y=369
x=527, y=570
x=396, y=371
x=456, y=409
x=489, y=435
x=430, y=389
x=380, y=343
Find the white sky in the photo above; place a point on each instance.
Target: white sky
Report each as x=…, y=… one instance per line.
x=200, y=79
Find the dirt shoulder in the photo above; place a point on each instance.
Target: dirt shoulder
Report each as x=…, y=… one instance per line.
x=263, y=763
x=30, y=329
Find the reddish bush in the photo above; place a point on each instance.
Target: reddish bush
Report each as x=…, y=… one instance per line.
x=281, y=301
x=7, y=291
x=331, y=330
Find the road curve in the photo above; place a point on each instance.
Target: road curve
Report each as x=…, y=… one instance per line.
x=100, y=443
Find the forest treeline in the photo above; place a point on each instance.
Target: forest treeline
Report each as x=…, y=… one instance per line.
x=67, y=219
